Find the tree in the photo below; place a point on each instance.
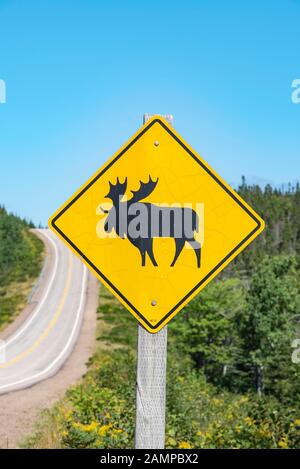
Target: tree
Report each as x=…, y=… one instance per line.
x=20, y=250
x=267, y=326
x=205, y=328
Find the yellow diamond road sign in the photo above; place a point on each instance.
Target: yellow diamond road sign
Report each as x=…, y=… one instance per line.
x=156, y=224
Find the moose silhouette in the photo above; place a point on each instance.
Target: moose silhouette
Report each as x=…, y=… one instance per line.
x=141, y=222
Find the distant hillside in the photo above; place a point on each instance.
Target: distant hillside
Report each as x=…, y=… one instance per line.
x=21, y=254
x=280, y=209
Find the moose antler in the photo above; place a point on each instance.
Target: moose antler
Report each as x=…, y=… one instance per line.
x=145, y=189
x=116, y=191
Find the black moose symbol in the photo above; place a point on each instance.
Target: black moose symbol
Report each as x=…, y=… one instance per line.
x=141, y=222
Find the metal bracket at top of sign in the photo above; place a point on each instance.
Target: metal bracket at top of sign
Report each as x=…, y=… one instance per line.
x=168, y=117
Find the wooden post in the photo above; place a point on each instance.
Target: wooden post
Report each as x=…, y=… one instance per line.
x=151, y=382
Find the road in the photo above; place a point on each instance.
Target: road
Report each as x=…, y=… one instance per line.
x=41, y=344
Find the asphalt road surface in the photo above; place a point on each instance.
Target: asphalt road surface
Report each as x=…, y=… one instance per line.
x=41, y=344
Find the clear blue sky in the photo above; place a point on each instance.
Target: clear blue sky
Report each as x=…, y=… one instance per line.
x=81, y=73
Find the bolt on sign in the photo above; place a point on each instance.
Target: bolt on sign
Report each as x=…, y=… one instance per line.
x=156, y=224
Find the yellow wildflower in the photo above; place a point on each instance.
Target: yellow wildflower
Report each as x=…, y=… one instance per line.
x=116, y=431
x=249, y=421
x=215, y=401
x=171, y=442
x=244, y=399
x=104, y=429
x=90, y=427
x=283, y=442
x=184, y=445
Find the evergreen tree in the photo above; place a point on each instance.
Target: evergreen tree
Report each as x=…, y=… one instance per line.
x=268, y=326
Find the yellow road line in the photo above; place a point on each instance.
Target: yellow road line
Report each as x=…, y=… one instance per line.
x=51, y=323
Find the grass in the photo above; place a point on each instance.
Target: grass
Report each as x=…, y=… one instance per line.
x=13, y=299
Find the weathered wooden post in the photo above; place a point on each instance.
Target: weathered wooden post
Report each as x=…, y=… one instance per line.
x=151, y=382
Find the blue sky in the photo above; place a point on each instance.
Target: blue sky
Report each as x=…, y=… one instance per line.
x=80, y=74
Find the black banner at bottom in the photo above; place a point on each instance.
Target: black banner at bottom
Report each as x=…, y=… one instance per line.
x=134, y=458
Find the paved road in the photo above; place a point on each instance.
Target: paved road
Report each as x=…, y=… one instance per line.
x=41, y=344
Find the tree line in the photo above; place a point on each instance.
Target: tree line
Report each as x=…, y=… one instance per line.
x=20, y=262
x=240, y=328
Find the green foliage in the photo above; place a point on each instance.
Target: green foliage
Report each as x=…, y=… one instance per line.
x=123, y=332
x=280, y=210
x=100, y=412
x=268, y=325
x=20, y=250
x=8, y=307
x=20, y=261
x=200, y=416
x=205, y=327
x=231, y=382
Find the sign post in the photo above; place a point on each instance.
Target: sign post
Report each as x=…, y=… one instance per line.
x=151, y=382
x=151, y=389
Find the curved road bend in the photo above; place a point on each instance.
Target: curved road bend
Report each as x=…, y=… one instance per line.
x=41, y=344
